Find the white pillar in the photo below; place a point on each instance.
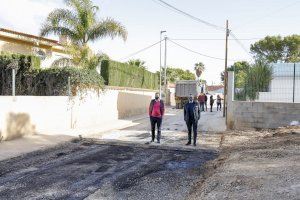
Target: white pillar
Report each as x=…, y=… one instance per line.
x=230, y=100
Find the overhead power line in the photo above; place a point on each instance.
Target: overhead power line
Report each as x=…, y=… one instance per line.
x=241, y=44
x=267, y=15
x=196, y=52
x=139, y=51
x=195, y=39
x=165, y=4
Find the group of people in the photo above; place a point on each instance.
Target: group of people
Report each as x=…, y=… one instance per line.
x=202, y=98
x=192, y=113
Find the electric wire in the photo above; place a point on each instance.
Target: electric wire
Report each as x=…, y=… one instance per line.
x=165, y=4
x=141, y=50
x=203, y=39
x=196, y=52
x=267, y=15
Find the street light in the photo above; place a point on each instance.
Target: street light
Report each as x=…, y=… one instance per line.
x=161, y=32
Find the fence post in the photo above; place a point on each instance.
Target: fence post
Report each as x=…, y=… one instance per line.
x=13, y=82
x=294, y=82
x=69, y=86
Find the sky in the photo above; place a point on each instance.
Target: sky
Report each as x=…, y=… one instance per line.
x=144, y=19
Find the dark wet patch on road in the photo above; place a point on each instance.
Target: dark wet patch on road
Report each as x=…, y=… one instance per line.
x=76, y=170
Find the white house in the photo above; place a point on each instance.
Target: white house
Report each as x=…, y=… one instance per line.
x=285, y=85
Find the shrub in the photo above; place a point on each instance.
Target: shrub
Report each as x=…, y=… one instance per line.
x=25, y=63
x=31, y=80
x=125, y=75
x=54, y=81
x=258, y=79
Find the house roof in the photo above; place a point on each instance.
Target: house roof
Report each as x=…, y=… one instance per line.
x=214, y=87
x=30, y=40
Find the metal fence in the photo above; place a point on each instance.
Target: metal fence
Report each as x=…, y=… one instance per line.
x=284, y=85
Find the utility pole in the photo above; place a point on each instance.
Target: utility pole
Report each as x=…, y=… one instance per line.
x=161, y=32
x=225, y=72
x=165, y=65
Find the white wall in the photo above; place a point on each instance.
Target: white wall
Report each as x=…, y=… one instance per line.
x=281, y=90
x=23, y=115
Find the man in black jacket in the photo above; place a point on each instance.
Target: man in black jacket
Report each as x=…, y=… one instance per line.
x=191, y=117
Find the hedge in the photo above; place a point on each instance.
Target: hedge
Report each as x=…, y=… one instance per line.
x=25, y=63
x=31, y=80
x=125, y=75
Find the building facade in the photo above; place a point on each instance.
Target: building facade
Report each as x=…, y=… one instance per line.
x=22, y=43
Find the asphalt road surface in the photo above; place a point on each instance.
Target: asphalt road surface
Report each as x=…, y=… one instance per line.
x=86, y=169
x=117, y=165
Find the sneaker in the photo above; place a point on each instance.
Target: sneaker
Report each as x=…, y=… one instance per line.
x=188, y=143
x=158, y=142
x=195, y=144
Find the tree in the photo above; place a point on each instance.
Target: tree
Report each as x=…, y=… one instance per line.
x=240, y=69
x=258, y=79
x=277, y=49
x=80, y=24
x=199, y=68
x=176, y=74
x=138, y=63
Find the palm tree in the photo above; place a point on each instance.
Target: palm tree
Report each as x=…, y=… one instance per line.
x=199, y=68
x=80, y=24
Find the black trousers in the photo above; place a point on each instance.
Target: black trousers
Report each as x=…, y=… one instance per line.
x=219, y=105
x=192, y=124
x=156, y=121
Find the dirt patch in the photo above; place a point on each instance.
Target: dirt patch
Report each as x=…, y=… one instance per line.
x=261, y=165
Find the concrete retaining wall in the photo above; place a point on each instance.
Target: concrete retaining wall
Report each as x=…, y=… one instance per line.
x=264, y=114
x=23, y=115
x=249, y=115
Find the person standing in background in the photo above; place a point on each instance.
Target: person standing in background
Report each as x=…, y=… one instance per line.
x=156, y=113
x=211, y=102
x=201, y=99
x=219, y=102
x=205, y=103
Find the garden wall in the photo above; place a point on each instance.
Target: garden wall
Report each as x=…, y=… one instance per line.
x=22, y=115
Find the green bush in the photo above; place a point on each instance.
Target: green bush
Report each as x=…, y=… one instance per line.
x=125, y=75
x=25, y=63
x=258, y=79
x=54, y=81
x=31, y=80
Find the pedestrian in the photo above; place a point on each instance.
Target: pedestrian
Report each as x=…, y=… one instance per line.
x=191, y=117
x=201, y=99
x=219, y=104
x=205, y=103
x=211, y=101
x=156, y=113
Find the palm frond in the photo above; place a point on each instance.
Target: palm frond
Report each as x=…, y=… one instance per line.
x=107, y=27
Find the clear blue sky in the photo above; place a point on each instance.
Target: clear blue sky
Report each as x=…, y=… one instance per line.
x=144, y=19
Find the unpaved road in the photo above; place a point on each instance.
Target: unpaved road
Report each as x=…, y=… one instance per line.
x=254, y=165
